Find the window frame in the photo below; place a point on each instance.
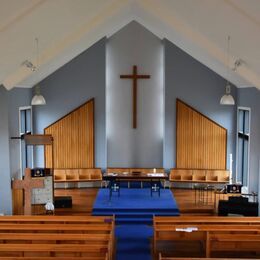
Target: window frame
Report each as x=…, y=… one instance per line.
x=249, y=140
x=24, y=108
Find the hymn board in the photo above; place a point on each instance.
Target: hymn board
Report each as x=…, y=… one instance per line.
x=135, y=76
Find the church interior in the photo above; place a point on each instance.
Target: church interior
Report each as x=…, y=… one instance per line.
x=129, y=129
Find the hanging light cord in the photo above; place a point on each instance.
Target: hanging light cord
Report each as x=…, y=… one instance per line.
x=37, y=88
x=38, y=99
x=37, y=53
x=228, y=49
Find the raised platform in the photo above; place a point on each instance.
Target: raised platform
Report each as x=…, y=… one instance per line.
x=135, y=205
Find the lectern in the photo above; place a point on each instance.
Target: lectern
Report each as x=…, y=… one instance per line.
x=38, y=194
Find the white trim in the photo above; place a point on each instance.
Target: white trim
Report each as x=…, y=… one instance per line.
x=259, y=186
x=20, y=141
x=30, y=107
x=25, y=107
x=248, y=154
x=244, y=108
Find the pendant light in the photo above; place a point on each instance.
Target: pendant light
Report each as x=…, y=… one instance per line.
x=227, y=99
x=37, y=99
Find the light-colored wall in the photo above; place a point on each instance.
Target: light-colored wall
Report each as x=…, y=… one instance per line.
x=85, y=77
x=201, y=88
x=143, y=146
x=250, y=97
x=72, y=85
x=5, y=179
x=17, y=97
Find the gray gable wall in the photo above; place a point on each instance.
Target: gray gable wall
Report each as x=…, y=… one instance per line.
x=5, y=178
x=85, y=77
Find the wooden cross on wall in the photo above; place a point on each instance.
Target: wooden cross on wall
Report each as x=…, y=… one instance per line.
x=27, y=184
x=134, y=77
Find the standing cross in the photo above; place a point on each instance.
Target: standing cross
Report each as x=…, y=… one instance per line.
x=134, y=77
x=27, y=184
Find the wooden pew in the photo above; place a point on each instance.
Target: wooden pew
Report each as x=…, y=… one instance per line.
x=15, y=249
x=57, y=236
x=190, y=220
x=55, y=219
x=183, y=258
x=56, y=258
x=208, y=236
x=199, y=176
x=238, y=241
x=77, y=175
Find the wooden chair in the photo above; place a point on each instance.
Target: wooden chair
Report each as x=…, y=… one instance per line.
x=59, y=175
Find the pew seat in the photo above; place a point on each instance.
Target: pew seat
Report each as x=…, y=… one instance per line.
x=191, y=236
x=199, y=176
x=77, y=175
x=68, y=237
x=56, y=258
x=184, y=258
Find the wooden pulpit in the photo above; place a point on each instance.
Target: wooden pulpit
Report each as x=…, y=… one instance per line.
x=27, y=184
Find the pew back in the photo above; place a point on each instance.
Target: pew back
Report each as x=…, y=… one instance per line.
x=215, y=236
x=57, y=236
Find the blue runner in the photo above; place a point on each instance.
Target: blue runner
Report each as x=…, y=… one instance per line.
x=134, y=210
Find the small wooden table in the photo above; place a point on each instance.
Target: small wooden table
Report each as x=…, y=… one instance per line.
x=115, y=178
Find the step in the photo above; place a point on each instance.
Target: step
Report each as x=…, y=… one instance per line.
x=134, y=221
x=147, y=210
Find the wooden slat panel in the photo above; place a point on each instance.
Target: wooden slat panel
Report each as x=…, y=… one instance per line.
x=73, y=137
x=201, y=143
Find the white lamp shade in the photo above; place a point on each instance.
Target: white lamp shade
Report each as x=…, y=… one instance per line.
x=38, y=100
x=227, y=99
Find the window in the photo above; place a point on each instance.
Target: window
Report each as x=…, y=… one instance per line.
x=243, y=138
x=25, y=127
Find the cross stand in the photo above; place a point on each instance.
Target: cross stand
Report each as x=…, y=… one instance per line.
x=114, y=186
x=27, y=184
x=155, y=187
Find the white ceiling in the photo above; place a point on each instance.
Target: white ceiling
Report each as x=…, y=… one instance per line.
x=66, y=28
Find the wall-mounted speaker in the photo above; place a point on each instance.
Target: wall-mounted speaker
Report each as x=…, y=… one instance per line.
x=40, y=172
x=234, y=188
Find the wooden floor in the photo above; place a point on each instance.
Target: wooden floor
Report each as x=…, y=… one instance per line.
x=83, y=200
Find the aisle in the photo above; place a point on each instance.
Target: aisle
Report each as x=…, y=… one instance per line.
x=134, y=242
x=134, y=210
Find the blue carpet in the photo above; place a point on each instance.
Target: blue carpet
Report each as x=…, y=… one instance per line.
x=133, y=242
x=135, y=205
x=134, y=211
